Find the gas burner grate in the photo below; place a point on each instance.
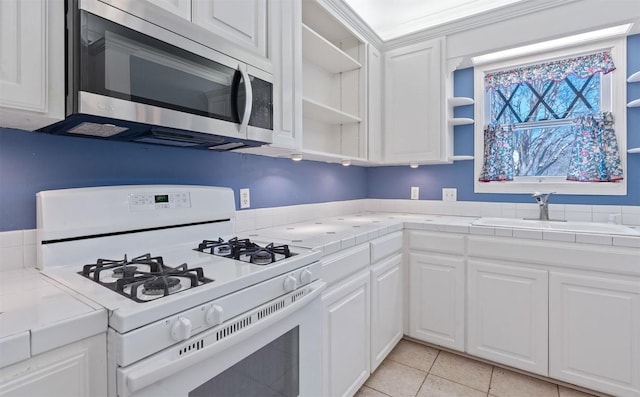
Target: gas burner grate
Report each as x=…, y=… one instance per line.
x=144, y=277
x=245, y=250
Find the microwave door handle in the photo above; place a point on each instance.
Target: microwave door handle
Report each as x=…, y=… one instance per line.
x=248, y=102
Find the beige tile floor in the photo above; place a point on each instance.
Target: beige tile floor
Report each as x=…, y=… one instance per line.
x=415, y=370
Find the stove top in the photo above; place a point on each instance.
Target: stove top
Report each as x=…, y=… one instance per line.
x=144, y=278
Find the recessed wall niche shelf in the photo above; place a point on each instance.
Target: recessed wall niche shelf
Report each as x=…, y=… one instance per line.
x=634, y=150
x=634, y=78
x=634, y=104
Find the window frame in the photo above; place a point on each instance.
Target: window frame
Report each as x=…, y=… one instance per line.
x=618, y=48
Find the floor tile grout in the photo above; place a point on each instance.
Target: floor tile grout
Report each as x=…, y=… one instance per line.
x=428, y=371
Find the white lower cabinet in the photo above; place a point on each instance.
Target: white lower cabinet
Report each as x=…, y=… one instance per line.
x=508, y=314
x=386, y=308
x=78, y=369
x=436, y=299
x=346, y=343
x=594, y=334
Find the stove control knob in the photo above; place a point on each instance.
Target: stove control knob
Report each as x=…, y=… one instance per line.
x=290, y=283
x=215, y=315
x=181, y=329
x=305, y=276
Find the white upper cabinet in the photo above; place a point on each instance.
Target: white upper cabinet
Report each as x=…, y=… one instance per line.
x=285, y=43
x=374, y=103
x=414, y=103
x=243, y=22
x=333, y=87
x=31, y=63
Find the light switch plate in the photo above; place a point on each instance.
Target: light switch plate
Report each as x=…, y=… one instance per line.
x=415, y=193
x=449, y=194
x=245, y=198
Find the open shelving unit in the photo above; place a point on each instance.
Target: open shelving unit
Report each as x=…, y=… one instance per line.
x=333, y=87
x=452, y=122
x=634, y=78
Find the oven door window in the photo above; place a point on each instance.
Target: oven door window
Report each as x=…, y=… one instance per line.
x=119, y=62
x=271, y=371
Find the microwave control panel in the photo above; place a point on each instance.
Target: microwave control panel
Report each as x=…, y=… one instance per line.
x=159, y=201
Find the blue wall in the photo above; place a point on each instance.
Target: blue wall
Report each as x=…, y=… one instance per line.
x=395, y=182
x=31, y=162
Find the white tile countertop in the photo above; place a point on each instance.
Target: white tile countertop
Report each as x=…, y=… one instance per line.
x=335, y=233
x=38, y=315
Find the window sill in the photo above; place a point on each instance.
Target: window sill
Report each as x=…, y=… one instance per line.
x=563, y=187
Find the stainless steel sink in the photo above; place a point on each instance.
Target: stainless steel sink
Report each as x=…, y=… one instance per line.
x=575, y=227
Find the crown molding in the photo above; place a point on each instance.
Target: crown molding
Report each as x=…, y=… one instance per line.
x=355, y=22
x=479, y=20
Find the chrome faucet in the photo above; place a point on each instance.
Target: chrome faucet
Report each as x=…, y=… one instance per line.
x=543, y=203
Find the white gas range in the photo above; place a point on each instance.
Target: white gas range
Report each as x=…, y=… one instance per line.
x=190, y=305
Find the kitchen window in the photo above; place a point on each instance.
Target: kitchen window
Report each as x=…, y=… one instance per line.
x=553, y=121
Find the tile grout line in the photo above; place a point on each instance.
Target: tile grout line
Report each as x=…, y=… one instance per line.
x=493, y=368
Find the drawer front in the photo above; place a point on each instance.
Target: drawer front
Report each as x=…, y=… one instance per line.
x=338, y=266
x=385, y=246
x=447, y=243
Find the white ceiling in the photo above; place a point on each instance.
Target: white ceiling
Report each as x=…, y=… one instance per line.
x=394, y=18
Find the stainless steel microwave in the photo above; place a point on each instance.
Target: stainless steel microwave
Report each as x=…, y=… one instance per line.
x=133, y=80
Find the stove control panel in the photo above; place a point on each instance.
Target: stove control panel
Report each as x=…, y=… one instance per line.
x=159, y=201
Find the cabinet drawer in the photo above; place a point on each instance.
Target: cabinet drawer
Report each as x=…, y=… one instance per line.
x=385, y=246
x=338, y=266
x=447, y=243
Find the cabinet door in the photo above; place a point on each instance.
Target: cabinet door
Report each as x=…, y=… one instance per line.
x=386, y=308
x=594, y=332
x=242, y=22
x=31, y=63
x=413, y=103
x=178, y=7
x=508, y=315
x=436, y=299
x=374, y=85
x=346, y=345
x=285, y=51
x=78, y=369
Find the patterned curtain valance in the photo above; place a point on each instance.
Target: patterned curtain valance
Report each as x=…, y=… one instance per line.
x=582, y=66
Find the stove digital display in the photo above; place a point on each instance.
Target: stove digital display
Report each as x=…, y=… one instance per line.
x=161, y=198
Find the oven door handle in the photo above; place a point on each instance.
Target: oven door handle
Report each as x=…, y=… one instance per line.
x=148, y=372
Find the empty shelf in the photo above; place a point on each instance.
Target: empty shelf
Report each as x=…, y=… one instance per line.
x=327, y=114
x=460, y=101
x=460, y=121
x=324, y=54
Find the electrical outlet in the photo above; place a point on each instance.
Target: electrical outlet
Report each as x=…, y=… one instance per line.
x=245, y=198
x=449, y=194
x=415, y=193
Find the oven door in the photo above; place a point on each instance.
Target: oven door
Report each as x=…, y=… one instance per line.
x=277, y=355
